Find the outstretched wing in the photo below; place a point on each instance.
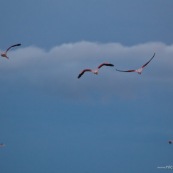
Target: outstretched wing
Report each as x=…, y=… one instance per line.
x=105, y=64
x=170, y=142
x=13, y=46
x=126, y=70
x=82, y=72
x=148, y=61
x=2, y=145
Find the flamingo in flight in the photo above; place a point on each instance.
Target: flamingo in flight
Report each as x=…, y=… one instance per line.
x=139, y=71
x=2, y=145
x=170, y=141
x=96, y=70
x=4, y=54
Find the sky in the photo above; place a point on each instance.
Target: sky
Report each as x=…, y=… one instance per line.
x=51, y=121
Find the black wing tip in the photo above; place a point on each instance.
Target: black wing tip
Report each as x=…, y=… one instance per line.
x=79, y=76
x=108, y=64
x=120, y=70
x=170, y=142
x=18, y=44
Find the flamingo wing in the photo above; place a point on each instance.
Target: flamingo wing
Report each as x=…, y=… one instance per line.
x=170, y=142
x=82, y=72
x=2, y=145
x=13, y=46
x=126, y=70
x=148, y=61
x=105, y=64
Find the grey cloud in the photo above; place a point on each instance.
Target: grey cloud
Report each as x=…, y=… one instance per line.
x=56, y=70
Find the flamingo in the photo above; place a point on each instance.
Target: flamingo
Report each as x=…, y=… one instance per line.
x=96, y=70
x=139, y=71
x=170, y=141
x=4, y=54
x=2, y=145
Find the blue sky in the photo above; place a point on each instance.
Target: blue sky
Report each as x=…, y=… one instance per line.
x=53, y=122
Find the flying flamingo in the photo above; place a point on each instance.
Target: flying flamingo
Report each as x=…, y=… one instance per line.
x=96, y=70
x=170, y=141
x=4, y=54
x=139, y=71
x=2, y=145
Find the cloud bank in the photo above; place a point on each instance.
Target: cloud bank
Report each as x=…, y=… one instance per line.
x=55, y=71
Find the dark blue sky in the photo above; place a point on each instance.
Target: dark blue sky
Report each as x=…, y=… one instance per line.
x=50, y=121
x=47, y=23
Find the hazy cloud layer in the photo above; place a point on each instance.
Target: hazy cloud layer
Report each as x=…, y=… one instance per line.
x=55, y=71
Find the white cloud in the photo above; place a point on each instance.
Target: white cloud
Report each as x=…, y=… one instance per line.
x=56, y=70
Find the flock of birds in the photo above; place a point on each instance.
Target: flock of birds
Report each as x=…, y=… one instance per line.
x=94, y=71
x=139, y=70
